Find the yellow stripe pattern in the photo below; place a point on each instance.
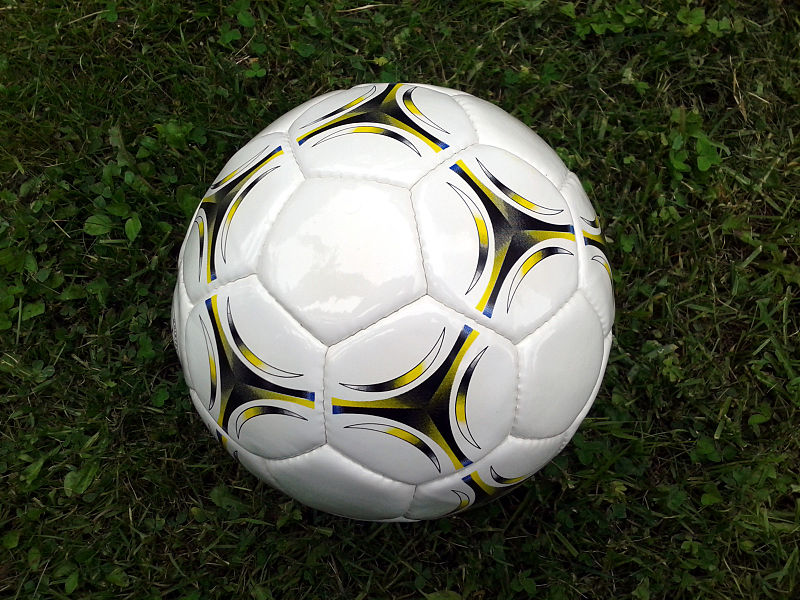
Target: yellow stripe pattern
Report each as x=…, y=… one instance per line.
x=489, y=489
x=440, y=397
x=595, y=237
x=499, y=257
x=444, y=389
x=215, y=311
x=382, y=116
x=235, y=205
x=603, y=262
x=407, y=378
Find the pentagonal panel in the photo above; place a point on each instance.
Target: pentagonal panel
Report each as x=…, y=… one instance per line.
x=385, y=132
x=495, y=127
x=560, y=365
x=497, y=238
x=326, y=480
x=595, y=271
x=224, y=239
x=342, y=254
x=256, y=372
x=421, y=393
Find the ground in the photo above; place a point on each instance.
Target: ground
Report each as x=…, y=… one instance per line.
x=680, y=118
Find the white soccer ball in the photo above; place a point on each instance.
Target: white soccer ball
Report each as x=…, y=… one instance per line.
x=394, y=303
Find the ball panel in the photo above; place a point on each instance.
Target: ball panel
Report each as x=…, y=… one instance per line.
x=246, y=157
x=284, y=122
x=181, y=307
x=559, y=366
x=440, y=498
x=228, y=230
x=498, y=473
x=518, y=459
x=200, y=407
x=262, y=385
x=190, y=264
x=570, y=432
x=342, y=254
x=200, y=348
x=420, y=393
x=595, y=272
x=498, y=240
x=442, y=90
x=326, y=480
x=599, y=291
x=211, y=426
x=392, y=133
x=495, y=127
x=289, y=363
x=255, y=464
x=576, y=196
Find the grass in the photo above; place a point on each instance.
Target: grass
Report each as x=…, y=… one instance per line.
x=681, y=117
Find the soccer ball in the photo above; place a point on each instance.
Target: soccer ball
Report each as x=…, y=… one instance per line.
x=394, y=303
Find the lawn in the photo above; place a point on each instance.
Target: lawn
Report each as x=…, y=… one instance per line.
x=681, y=119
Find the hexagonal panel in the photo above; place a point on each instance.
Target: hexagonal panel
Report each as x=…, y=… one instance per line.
x=495, y=127
x=326, y=480
x=385, y=132
x=560, y=365
x=229, y=226
x=256, y=372
x=342, y=254
x=498, y=240
x=421, y=393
